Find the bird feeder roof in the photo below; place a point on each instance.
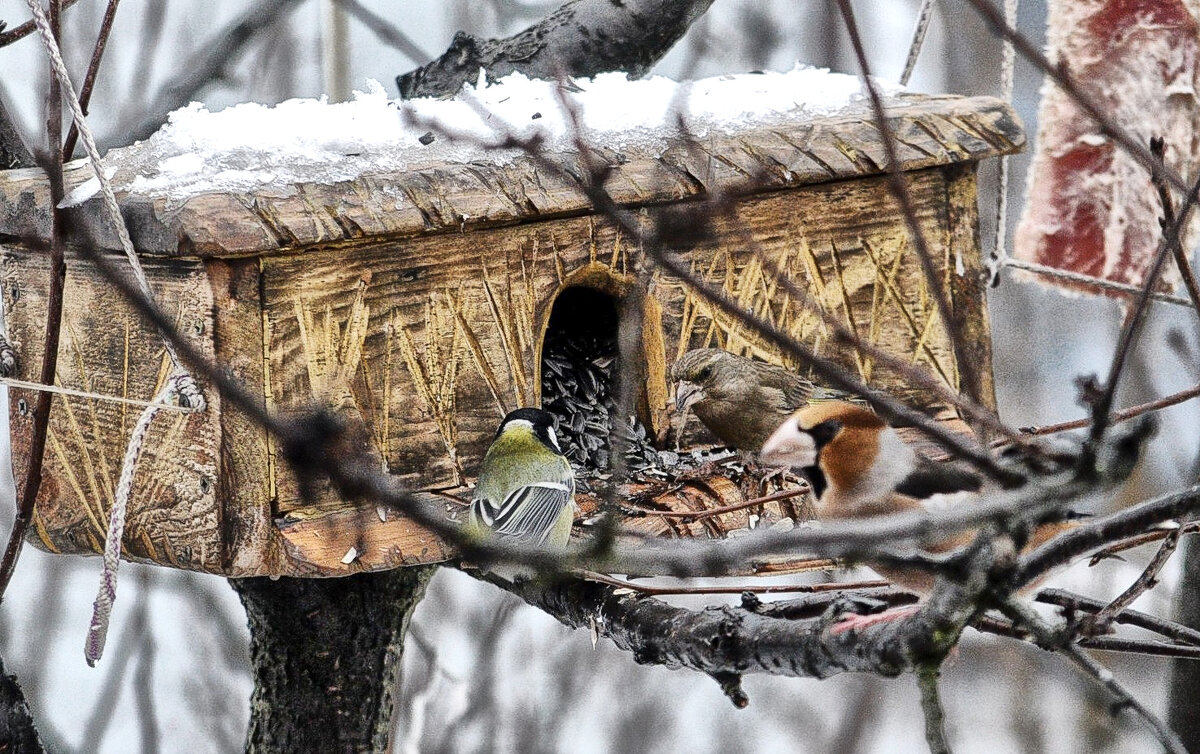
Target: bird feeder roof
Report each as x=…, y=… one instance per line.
x=254, y=179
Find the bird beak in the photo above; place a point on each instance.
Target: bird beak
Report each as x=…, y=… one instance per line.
x=687, y=393
x=789, y=446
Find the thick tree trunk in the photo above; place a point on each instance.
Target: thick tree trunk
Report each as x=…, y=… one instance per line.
x=325, y=654
x=1185, y=674
x=13, y=153
x=17, y=734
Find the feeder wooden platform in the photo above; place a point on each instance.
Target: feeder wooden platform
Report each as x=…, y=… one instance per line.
x=418, y=301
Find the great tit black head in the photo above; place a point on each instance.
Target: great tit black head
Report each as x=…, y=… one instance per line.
x=541, y=423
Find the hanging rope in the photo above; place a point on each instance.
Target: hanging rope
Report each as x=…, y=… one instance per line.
x=1103, y=284
x=102, y=608
x=924, y=14
x=1008, y=63
x=180, y=388
x=60, y=390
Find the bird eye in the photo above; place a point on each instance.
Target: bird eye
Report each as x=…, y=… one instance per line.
x=704, y=373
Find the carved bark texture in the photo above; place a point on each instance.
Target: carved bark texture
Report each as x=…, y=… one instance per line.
x=581, y=38
x=326, y=654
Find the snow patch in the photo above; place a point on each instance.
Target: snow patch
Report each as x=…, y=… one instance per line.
x=253, y=147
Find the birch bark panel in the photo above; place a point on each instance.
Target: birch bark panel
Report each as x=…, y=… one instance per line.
x=848, y=246
x=444, y=332
x=451, y=340
x=107, y=350
x=250, y=542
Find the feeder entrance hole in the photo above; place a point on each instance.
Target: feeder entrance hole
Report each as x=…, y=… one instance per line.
x=580, y=363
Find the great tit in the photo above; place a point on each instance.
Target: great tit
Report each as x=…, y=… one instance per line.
x=526, y=489
x=740, y=400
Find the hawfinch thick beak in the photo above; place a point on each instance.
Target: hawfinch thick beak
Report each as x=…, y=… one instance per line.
x=790, y=446
x=687, y=393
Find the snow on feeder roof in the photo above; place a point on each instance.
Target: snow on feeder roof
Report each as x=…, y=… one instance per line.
x=334, y=253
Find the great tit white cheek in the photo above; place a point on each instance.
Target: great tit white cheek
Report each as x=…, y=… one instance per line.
x=553, y=438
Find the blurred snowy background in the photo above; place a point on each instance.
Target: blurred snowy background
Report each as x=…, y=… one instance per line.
x=482, y=672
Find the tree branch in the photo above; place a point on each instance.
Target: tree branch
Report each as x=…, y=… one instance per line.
x=52, y=163
x=25, y=29
x=780, y=638
x=89, y=81
x=580, y=38
x=931, y=705
x=1047, y=638
x=1102, y=531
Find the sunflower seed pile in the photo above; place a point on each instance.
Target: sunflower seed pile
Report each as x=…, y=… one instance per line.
x=577, y=387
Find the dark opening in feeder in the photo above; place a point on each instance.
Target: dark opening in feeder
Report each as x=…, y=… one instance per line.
x=580, y=360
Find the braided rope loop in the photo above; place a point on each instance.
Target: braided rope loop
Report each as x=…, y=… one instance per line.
x=102, y=607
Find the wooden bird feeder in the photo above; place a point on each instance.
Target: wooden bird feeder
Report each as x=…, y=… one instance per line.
x=419, y=300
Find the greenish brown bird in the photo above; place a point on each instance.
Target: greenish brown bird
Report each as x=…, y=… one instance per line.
x=740, y=400
x=526, y=488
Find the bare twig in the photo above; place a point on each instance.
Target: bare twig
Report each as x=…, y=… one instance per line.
x=1125, y=700
x=1158, y=149
x=1104, y=530
x=1135, y=317
x=1135, y=646
x=211, y=63
x=898, y=183
x=1146, y=581
x=1117, y=416
x=931, y=705
x=693, y=515
x=1077, y=603
x=736, y=588
x=89, y=82
x=1048, y=638
x=20, y=32
x=386, y=31
x=1061, y=75
x=1138, y=541
x=52, y=163
x=999, y=627
x=150, y=39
